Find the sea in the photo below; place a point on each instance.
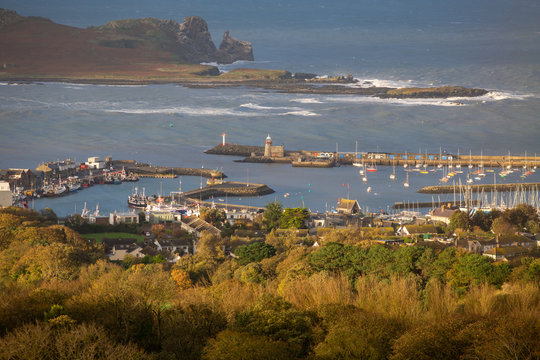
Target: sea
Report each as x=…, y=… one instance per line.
x=493, y=45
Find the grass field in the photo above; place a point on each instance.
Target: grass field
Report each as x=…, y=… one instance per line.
x=98, y=237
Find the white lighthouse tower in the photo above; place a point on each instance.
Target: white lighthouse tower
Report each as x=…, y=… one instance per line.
x=268, y=147
x=223, y=141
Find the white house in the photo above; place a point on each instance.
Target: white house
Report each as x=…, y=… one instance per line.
x=95, y=162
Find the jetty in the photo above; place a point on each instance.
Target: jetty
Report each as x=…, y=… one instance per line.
x=229, y=188
x=433, y=204
x=310, y=158
x=146, y=170
x=448, y=189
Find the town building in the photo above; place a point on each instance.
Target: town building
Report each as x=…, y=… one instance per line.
x=6, y=199
x=347, y=206
x=442, y=214
x=95, y=162
x=123, y=218
x=118, y=249
x=180, y=246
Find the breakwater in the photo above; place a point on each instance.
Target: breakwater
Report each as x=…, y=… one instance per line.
x=432, y=204
x=256, y=154
x=448, y=189
x=146, y=170
x=229, y=189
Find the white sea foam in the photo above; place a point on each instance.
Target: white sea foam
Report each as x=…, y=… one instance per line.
x=261, y=107
x=395, y=102
x=307, y=101
x=185, y=110
x=389, y=83
x=300, y=113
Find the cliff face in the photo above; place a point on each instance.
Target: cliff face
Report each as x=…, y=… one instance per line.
x=190, y=41
x=232, y=49
x=194, y=40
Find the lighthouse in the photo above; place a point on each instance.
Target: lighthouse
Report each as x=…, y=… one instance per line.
x=223, y=141
x=268, y=147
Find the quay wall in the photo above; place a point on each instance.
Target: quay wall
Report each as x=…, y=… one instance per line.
x=448, y=189
x=430, y=204
x=142, y=169
x=229, y=189
x=381, y=158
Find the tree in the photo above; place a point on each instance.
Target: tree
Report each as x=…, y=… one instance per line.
x=213, y=216
x=280, y=321
x=75, y=222
x=294, y=218
x=254, y=252
x=355, y=334
x=209, y=247
x=43, y=341
x=234, y=345
x=502, y=226
x=158, y=230
x=459, y=220
x=272, y=215
x=49, y=215
x=473, y=270
x=182, y=279
x=251, y=273
x=482, y=220
x=431, y=341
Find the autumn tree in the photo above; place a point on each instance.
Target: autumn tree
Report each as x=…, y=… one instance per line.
x=209, y=247
x=213, y=216
x=182, y=279
x=234, y=345
x=158, y=230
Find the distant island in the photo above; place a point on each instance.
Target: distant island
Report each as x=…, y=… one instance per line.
x=153, y=51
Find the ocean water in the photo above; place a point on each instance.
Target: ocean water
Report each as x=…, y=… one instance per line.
x=493, y=45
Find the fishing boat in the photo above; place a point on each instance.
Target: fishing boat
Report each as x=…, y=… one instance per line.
x=368, y=189
x=137, y=200
x=73, y=187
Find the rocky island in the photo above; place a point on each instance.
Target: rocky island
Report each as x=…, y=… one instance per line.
x=153, y=51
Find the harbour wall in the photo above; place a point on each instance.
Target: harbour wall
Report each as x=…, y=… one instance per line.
x=229, y=189
x=448, y=189
x=254, y=154
x=146, y=170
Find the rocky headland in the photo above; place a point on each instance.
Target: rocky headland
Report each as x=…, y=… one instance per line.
x=153, y=51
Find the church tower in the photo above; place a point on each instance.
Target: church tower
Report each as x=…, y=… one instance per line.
x=268, y=147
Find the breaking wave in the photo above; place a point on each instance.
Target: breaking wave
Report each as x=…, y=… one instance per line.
x=307, y=101
x=185, y=110
x=300, y=113
x=261, y=107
